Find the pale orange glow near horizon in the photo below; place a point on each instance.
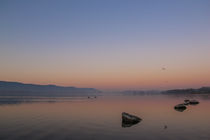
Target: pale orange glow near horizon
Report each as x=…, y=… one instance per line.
x=126, y=69
x=121, y=80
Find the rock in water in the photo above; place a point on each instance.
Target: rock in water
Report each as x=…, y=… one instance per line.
x=193, y=102
x=180, y=107
x=129, y=120
x=186, y=100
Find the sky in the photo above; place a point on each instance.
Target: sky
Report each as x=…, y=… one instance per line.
x=106, y=44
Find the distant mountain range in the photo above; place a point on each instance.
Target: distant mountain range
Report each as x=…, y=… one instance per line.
x=21, y=89
x=203, y=90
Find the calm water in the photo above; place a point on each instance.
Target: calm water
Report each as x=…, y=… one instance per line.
x=100, y=118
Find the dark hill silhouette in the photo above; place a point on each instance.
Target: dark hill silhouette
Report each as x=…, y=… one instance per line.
x=21, y=89
x=203, y=90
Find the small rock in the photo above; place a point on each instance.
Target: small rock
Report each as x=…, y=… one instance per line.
x=180, y=107
x=186, y=100
x=186, y=103
x=193, y=102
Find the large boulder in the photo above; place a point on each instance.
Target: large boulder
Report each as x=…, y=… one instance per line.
x=129, y=120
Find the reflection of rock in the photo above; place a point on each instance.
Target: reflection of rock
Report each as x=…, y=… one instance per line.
x=128, y=124
x=180, y=107
x=193, y=102
x=129, y=120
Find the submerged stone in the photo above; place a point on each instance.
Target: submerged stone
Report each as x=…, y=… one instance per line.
x=186, y=100
x=180, y=107
x=193, y=102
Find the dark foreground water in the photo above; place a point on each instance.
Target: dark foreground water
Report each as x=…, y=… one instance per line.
x=100, y=118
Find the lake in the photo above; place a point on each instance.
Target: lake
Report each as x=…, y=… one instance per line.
x=76, y=118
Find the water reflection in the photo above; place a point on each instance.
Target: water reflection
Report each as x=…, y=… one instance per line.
x=126, y=124
x=99, y=118
x=14, y=100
